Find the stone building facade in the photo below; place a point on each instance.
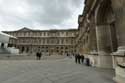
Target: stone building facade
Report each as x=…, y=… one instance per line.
x=47, y=41
x=102, y=35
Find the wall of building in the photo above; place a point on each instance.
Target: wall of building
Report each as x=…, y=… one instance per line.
x=47, y=41
x=102, y=30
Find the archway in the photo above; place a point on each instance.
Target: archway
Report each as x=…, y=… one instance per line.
x=104, y=18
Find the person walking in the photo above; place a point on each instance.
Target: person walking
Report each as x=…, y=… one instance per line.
x=87, y=62
x=82, y=58
x=37, y=55
x=76, y=58
x=67, y=54
x=40, y=55
x=79, y=59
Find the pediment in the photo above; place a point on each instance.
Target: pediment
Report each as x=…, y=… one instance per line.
x=25, y=29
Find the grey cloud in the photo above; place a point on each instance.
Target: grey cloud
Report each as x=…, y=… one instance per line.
x=53, y=12
x=43, y=12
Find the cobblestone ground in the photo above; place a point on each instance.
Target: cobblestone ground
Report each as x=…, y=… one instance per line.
x=51, y=71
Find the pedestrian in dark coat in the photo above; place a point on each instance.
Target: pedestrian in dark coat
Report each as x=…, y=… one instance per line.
x=87, y=62
x=82, y=58
x=40, y=55
x=67, y=54
x=76, y=58
x=79, y=59
x=37, y=55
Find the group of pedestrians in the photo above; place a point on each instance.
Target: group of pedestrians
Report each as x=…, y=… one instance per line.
x=79, y=58
x=38, y=55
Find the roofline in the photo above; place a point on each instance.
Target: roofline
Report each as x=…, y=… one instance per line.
x=44, y=30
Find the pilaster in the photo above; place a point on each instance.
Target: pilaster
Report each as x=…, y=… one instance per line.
x=104, y=46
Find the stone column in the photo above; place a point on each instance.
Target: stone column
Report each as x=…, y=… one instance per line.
x=104, y=46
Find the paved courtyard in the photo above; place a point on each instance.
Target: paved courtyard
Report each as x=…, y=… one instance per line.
x=51, y=71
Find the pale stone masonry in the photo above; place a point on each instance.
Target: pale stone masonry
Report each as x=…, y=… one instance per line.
x=102, y=35
x=57, y=42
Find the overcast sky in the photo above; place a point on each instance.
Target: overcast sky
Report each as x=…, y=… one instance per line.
x=39, y=14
